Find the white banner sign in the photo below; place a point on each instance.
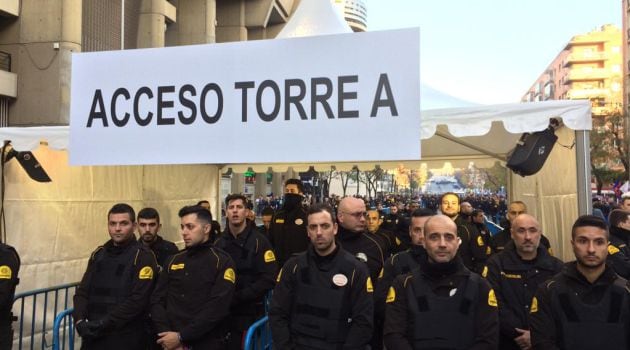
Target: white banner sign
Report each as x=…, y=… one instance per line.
x=347, y=97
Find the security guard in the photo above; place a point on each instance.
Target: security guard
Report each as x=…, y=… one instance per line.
x=501, y=239
x=9, y=268
x=323, y=299
x=515, y=274
x=618, y=249
x=287, y=232
x=148, y=228
x=110, y=304
x=587, y=305
x=256, y=267
x=192, y=298
x=403, y=262
x=441, y=304
x=474, y=249
x=394, y=223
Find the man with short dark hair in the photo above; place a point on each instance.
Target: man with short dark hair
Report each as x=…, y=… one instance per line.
x=587, y=305
x=110, y=303
x=287, y=232
x=323, y=297
x=148, y=228
x=256, y=267
x=191, y=301
x=625, y=203
x=441, y=304
x=216, y=226
x=619, y=245
x=266, y=217
x=515, y=274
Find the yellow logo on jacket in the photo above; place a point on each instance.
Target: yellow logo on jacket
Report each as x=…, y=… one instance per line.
x=177, y=267
x=391, y=295
x=492, y=299
x=229, y=275
x=534, y=307
x=279, y=221
x=612, y=250
x=146, y=273
x=484, y=273
x=269, y=256
x=5, y=272
x=368, y=285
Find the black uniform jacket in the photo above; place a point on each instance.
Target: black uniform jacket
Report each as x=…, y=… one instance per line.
x=543, y=320
x=619, y=251
x=501, y=239
x=162, y=249
x=442, y=278
x=515, y=282
x=363, y=247
x=287, y=233
x=193, y=293
x=360, y=296
x=396, y=265
x=144, y=273
x=255, y=264
x=9, y=268
x=474, y=249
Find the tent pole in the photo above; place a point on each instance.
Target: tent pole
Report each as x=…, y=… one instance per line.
x=583, y=163
x=469, y=145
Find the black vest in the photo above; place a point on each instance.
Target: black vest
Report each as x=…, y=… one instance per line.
x=438, y=322
x=603, y=325
x=112, y=279
x=5, y=310
x=244, y=256
x=405, y=262
x=321, y=313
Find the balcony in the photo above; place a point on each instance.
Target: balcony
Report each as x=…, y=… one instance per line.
x=578, y=94
x=9, y=8
x=584, y=57
x=587, y=74
x=8, y=80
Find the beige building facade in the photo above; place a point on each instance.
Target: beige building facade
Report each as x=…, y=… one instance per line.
x=590, y=67
x=38, y=37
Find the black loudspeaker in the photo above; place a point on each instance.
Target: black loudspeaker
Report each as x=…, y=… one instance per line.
x=531, y=151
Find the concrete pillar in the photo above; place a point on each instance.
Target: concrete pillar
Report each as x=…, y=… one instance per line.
x=238, y=181
x=196, y=23
x=261, y=184
x=151, y=24
x=231, y=21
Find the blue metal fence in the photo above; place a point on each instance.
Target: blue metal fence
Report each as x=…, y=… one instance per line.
x=63, y=321
x=36, y=310
x=259, y=335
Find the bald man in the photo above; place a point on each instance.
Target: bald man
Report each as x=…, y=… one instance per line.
x=441, y=304
x=515, y=274
x=501, y=239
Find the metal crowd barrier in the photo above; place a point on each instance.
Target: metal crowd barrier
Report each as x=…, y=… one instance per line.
x=36, y=311
x=63, y=321
x=258, y=335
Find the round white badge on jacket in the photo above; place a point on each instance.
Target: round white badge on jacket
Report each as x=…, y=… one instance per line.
x=340, y=280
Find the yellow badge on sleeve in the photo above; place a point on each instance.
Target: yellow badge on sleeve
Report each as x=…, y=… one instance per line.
x=368, y=285
x=269, y=256
x=492, y=299
x=5, y=272
x=398, y=241
x=146, y=273
x=229, y=275
x=279, y=276
x=484, y=273
x=612, y=250
x=380, y=274
x=534, y=307
x=479, y=241
x=391, y=295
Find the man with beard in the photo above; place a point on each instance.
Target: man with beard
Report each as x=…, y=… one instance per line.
x=256, y=267
x=148, y=227
x=466, y=211
x=618, y=249
x=110, y=304
x=515, y=274
x=474, y=249
x=287, y=232
x=192, y=298
x=441, y=304
x=323, y=299
x=587, y=305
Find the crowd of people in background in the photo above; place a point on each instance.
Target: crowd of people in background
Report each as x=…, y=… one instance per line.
x=395, y=272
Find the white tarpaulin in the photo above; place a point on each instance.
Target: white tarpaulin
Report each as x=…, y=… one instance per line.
x=302, y=92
